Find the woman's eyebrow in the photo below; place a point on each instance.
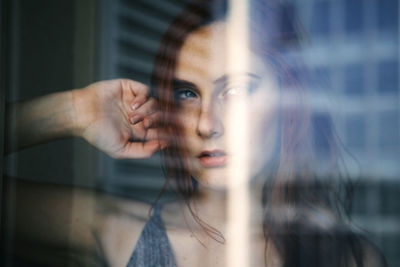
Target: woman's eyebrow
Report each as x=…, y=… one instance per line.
x=225, y=78
x=179, y=84
x=182, y=83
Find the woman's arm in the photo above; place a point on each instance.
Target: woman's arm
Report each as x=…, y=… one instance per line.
x=57, y=225
x=51, y=224
x=40, y=120
x=116, y=116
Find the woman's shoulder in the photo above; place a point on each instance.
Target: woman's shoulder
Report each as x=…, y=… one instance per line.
x=115, y=212
x=111, y=206
x=121, y=222
x=90, y=223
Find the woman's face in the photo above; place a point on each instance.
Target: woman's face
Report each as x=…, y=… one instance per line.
x=202, y=90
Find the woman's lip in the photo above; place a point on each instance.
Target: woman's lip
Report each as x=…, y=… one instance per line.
x=213, y=158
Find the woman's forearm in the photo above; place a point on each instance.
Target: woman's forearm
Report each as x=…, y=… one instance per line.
x=40, y=120
x=109, y=115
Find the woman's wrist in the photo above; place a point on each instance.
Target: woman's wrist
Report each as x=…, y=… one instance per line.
x=84, y=110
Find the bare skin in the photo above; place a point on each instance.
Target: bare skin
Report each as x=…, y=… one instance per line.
x=107, y=114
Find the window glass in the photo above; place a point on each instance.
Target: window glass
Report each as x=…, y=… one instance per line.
x=356, y=132
x=321, y=79
x=389, y=132
x=354, y=10
x=388, y=77
x=320, y=18
x=388, y=14
x=203, y=133
x=354, y=79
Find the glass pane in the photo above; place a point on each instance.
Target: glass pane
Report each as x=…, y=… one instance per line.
x=321, y=79
x=354, y=81
x=354, y=16
x=320, y=18
x=389, y=134
x=356, y=131
x=388, y=77
x=200, y=133
x=388, y=14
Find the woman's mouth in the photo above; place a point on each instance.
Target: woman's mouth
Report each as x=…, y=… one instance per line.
x=213, y=158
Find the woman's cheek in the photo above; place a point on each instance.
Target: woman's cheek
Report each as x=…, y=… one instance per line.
x=263, y=136
x=187, y=120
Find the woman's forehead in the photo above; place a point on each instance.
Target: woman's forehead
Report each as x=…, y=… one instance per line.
x=203, y=55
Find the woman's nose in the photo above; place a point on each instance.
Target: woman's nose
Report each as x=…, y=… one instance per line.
x=209, y=125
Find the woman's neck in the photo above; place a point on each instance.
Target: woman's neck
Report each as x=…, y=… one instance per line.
x=211, y=206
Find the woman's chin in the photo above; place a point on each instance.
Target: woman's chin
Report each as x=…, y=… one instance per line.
x=213, y=178
x=223, y=176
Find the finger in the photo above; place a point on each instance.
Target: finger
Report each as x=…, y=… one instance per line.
x=137, y=102
x=149, y=107
x=141, y=150
x=158, y=134
x=139, y=90
x=135, y=118
x=146, y=109
x=139, y=133
x=135, y=87
x=152, y=120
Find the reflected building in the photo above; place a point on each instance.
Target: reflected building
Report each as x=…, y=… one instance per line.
x=353, y=56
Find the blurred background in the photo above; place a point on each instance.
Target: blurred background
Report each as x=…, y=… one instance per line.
x=351, y=48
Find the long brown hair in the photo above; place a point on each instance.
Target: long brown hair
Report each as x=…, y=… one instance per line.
x=304, y=214
x=174, y=156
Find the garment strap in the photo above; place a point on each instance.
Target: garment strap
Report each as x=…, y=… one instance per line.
x=153, y=247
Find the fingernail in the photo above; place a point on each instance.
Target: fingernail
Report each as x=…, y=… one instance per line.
x=134, y=106
x=135, y=119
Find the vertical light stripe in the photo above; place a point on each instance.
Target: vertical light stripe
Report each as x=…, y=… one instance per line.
x=85, y=163
x=237, y=61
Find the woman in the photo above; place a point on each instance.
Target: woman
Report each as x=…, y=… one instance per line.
x=301, y=224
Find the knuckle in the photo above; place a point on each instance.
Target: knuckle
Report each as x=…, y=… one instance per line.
x=124, y=82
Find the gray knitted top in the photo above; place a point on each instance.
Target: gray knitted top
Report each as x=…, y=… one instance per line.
x=153, y=247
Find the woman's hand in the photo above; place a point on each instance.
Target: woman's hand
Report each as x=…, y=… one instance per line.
x=118, y=117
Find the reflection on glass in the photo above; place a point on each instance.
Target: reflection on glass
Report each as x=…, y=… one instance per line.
x=388, y=76
x=354, y=16
x=320, y=22
x=354, y=80
x=259, y=135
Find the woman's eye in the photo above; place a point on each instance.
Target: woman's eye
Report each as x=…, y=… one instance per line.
x=239, y=89
x=184, y=94
x=233, y=91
